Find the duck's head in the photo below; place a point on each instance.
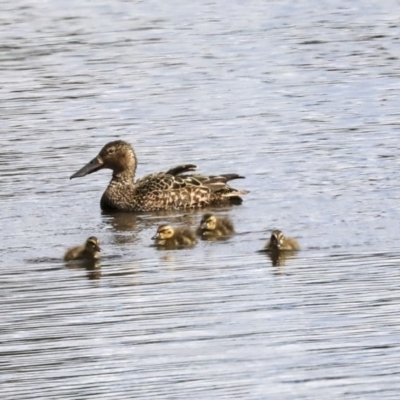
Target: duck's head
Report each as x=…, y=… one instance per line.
x=277, y=239
x=118, y=156
x=208, y=222
x=164, y=232
x=93, y=245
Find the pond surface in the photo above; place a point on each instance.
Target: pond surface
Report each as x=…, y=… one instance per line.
x=303, y=99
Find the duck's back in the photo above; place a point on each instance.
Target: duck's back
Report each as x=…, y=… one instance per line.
x=225, y=226
x=184, y=237
x=290, y=244
x=75, y=253
x=163, y=191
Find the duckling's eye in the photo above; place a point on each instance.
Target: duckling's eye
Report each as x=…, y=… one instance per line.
x=111, y=150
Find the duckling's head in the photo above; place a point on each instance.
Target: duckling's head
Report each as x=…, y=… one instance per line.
x=277, y=239
x=164, y=232
x=92, y=245
x=208, y=222
x=117, y=156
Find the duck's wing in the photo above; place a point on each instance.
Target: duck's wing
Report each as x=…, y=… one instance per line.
x=163, y=191
x=227, y=225
x=181, y=169
x=166, y=182
x=215, y=183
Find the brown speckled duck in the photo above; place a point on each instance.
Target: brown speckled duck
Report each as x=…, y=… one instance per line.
x=211, y=226
x=172, y=238
x=89, y=251
x=278, y=242
x=160, y=191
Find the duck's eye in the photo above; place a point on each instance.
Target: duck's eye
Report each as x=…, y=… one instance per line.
x=111, y=150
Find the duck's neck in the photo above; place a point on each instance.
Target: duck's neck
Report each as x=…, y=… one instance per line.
x=125, y=177
x=125, y=174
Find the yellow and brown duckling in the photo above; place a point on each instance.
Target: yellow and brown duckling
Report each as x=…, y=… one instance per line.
x=89, y=251
x=172, y=238
x=211, y=226
x=160, y=191
x=278, y=242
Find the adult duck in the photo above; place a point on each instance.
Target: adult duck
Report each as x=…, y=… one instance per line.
x=160, y=191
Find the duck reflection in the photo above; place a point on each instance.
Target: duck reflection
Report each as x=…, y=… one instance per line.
x=120, y=222
x=279, y=258
x=91, y=266
x=128, y=222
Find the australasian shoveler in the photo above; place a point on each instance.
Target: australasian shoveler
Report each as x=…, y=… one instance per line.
x=278, y=242
x=89, y=251
x=160, y=191
x=211, y=226
x=172, y=238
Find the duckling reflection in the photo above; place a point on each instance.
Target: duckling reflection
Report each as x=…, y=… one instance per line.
x=174, y=238
x=91, y=266
x=89, y=251
x=213, y=227
x=279, y=258
x=93, y=269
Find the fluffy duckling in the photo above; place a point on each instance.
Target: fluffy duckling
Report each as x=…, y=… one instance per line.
x=210, y=225
x=89, y=251
x=171, y=238
x=278, y=242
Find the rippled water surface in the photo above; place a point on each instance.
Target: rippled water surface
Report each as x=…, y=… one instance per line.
x=300, y=97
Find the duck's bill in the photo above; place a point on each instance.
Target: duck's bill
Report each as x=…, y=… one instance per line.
x=156, y=236
x=92, y=166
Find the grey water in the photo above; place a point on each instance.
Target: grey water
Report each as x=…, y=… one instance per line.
x=302, y=98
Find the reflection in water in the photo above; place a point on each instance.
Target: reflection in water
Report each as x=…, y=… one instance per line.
x=91, y=266
x=213, y=238
x=130, y=222
x=279, y=258
x=93, y=271
x=121, y=222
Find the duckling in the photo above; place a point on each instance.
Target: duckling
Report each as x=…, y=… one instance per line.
x=160, y=191
x=278, y=242
x=89, y=251
x=172, y=238
x=210, y=225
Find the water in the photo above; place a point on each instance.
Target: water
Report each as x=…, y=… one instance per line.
x=302, y=99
